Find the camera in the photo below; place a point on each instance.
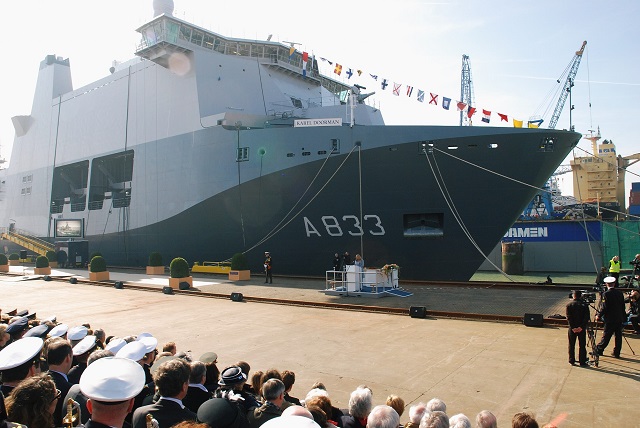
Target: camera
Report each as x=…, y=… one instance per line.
x=586, y=296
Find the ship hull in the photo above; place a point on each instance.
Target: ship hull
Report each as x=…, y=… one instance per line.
x=362, y=202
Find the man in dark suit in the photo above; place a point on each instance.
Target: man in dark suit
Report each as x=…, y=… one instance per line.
x=59, y=358
x=172, y=381
x=197, y=393
x=578, y=318
x=613, y=315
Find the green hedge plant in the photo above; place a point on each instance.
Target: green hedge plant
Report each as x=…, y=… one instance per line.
x=98, y=264
x=239, y=262
x=179, y=268
x=42, y=262
x=52, y=256
x=155, y=259
x=14, y=256
x=3, y=260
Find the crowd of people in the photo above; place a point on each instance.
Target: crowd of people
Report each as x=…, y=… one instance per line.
x=54, y=376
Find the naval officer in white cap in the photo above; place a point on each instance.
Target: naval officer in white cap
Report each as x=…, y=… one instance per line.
x=18, y=361
x=110, y=384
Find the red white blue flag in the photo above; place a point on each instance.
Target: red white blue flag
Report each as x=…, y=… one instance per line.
x=486, y=116
x=396, y=88
x=446, y=102
x=305, y=59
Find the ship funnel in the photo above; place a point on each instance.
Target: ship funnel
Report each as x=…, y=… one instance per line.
x=162, y=6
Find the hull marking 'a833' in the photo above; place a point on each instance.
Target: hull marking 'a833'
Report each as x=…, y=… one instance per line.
x=350, y=225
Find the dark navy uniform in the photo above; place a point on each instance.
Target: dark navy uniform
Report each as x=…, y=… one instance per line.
x=268, y=278
x=578, y=317
x=613, y=314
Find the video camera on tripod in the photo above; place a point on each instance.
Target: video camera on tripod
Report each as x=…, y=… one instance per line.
x=586, y=296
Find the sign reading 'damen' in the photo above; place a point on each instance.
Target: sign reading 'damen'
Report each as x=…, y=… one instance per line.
x=300, y=123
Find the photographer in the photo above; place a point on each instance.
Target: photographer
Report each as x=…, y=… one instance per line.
x=613, y=314
x=636, y=265
x=633, y=298
x=578, y=317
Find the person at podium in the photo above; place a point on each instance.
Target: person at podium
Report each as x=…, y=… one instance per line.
x=360, y=263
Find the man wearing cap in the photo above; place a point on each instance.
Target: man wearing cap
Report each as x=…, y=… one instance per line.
x=613, y=314
x=220, y=413
x=76, y=394
x=17, y=327
x=172, y=381
x=18, y=361
x=37, y=331
x=59, y=331
x=150, y=344
x=59, y=358
x=76, y=334
x=135, y=351
x=110, y=384
x=81, y=353
x=273, y=393
x=268, y=278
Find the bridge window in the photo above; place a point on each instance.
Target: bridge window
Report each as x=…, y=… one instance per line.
x=424, y=225
x=243, y=154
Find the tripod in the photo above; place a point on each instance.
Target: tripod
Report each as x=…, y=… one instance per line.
x=592, y=330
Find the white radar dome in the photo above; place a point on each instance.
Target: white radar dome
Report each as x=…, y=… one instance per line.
x=162, y=6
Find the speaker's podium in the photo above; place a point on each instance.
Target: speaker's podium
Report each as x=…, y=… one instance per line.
x=354, y=278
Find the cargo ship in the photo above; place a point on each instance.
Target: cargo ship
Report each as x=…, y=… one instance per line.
x=203, y=146
x=580, y=233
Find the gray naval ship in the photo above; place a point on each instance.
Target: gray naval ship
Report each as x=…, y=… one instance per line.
x=203, y=146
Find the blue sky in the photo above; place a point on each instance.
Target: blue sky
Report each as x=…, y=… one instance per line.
x=517, y=50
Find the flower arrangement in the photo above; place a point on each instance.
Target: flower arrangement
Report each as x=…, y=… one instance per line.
x=389, y=267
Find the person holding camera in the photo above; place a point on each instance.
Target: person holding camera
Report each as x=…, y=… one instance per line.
x=636, y=266
x=633, y=312
x=613, y=314
x=578, y=317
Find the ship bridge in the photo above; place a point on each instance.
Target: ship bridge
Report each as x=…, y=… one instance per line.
x=166, y=35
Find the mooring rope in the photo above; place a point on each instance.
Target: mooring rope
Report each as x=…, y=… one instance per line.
x=456, y=215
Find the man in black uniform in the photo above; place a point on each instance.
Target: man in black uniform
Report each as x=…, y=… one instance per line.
x=613, y=314
x=346, y=260
x=578, y=318
x=267, y=268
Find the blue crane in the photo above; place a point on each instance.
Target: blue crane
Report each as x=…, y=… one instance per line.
x=568, y=84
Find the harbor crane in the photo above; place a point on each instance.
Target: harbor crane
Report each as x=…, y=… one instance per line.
x=466, y=90
x=566, y=90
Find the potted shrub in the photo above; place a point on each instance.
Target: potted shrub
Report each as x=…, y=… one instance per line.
x=42, y=266
x=52, y=257
x=4, y=263
x=239, y=268
x=14, y=259
x=179, y=271
x=98, y=269
x=61, y=258
x=155, y=266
